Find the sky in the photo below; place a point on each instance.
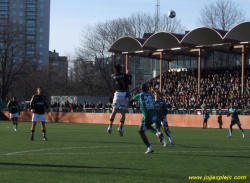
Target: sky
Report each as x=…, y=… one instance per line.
x=69, y=17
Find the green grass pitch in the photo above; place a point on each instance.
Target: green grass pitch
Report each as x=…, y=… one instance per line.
x=84, y=153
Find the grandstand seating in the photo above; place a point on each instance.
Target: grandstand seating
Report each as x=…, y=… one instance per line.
x=219, y=87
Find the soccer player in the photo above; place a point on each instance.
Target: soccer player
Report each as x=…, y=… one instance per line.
x=14, y=110
x=234, y=112
x=38, y=107
x=147, y=105
x=161, y=110
x=120, y=102
x=205, y=118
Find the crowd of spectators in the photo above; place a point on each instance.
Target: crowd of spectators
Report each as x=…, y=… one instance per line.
x=218, y=87
x=79, y=107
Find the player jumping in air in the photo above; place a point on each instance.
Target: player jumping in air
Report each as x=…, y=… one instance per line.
x=121, y=82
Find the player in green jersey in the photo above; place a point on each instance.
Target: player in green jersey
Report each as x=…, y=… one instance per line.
x=234, y=112
x=161, y=109
x=14, y=110
x=147, y=102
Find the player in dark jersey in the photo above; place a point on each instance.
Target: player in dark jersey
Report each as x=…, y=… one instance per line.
x=121, y=82
x=14, y=110
x=38, y=108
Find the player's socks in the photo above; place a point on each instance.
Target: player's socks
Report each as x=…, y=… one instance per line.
x=111, y=122
x=168, y=133
x=14, y=123
x=15, y=127
x=110, y=126
x=32, y=131
x=151, y=148
x=153, y=130
x=32, y=134
x=31, y=138
x=44, y=132
x=243, y=134
x=147, y=144
x=121, y=124
x=164, y=140
x=120, y=129
x=230, y=131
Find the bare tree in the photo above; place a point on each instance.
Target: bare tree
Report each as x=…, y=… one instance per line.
x=140, y=23
x=16, y=57
x=173, y=25
x=87, y=79
x=96, y=41
x=222, y=14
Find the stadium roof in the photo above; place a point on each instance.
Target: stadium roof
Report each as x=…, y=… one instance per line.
x=184, y=44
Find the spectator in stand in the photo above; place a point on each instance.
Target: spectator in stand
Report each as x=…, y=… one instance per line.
x=99, y=105
x=79, y=107
x=92, y=105
x=86, y=105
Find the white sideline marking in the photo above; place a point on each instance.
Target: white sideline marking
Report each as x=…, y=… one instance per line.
x=166, y=150
x=39, y=150
x=158, y=152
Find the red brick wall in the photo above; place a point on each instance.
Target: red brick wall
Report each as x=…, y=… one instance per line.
x=135, y=119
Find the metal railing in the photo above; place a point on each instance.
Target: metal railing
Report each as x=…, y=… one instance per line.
x=138, y=111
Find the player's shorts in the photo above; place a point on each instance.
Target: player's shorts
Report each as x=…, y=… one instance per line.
x=147, y=121
x=14, y=115
x=38, y=117
x=235, y=121
x=119, y=101
x=157, y=123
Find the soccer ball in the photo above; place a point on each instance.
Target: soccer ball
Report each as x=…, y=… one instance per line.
x=171, y=14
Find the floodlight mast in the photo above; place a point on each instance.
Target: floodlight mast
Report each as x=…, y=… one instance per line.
x=157, y=10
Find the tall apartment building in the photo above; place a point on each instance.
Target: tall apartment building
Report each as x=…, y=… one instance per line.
x=34, y=16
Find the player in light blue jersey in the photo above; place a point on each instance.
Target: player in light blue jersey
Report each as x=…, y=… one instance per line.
x=147, y=105
x=205, y=118
x=234, y=112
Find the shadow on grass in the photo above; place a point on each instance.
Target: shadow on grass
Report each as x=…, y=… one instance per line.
x=221, y=156
x=225, y=148
x=64, y=166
